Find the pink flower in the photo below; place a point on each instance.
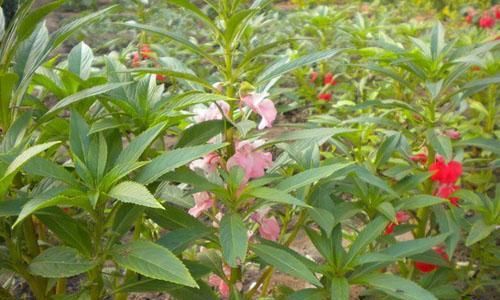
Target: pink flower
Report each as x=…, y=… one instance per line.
x=269, y=229
x=218, y=282
x=211, y=113
x=452, y=134
x=253, y=161
x=261, y=106
x=313, y=76
x=208, y=163
x=203, y=201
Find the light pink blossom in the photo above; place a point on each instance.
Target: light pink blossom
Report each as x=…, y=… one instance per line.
x=212, y=112
x=269, y=228
x=208, y=163
x=216, y=281
x=253, y=161
x=261, y=106
x=203, y=201
x=452, y=134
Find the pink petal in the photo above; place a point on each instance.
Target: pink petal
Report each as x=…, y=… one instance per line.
x=269, y=229
x=203, y=202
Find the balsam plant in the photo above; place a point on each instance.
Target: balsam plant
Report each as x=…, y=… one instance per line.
x=161, y=167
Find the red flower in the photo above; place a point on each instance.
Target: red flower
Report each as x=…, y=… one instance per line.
x=329, y=80
x=468, y=19
x=160, y=77
x=401, y=217
x=496, y=8
x=445, y=173
x=476, y=68
x=486, y=21
x=146, y=51
x=425, y=267
x=325, y=97
x=313, y=76
x=420, y=157
x=446, y=190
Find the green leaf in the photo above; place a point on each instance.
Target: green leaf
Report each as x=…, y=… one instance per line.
x=133, y=192
x=479, y=231
x=306, y=134
x=173, y=159
x=437, y=40
x=84, y=94
x=173, y=218
x=43, y=167
x=59, y=262
x=387, y=210
x=323, y=218
x=52, y=197
x=441, y=143
x=386, y=149
x=419, y=201
x=234, y=239
x=80, y=60
x=2, y=24
x=371, y=179
x=152, y=260
x=340, y=288
x=12, y=207
x=180, y=239
x=276, y=71
x=17, y=130
x=397, y=287
x=492, y=145
x=104, y=124
x=307, y=294
x=365, y=237
x=276, y=196
x=135, y=149
x=200, y=133
x=412, y=247
x=285, y=262
x=309, y=176
x=25, y=156
x=70, y=231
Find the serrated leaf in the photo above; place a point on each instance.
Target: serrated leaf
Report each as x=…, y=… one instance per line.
x=152, y=260
x=85, y=94
x=26, y=155
x=285, y=262
x=234, y=239
x=397, y=287
x=340, y=288
x=80, y=60
x=133, y=192
x=309, y=176
x=59, y=262
x=276, y=196
x=479, y=231
x=173, y=159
